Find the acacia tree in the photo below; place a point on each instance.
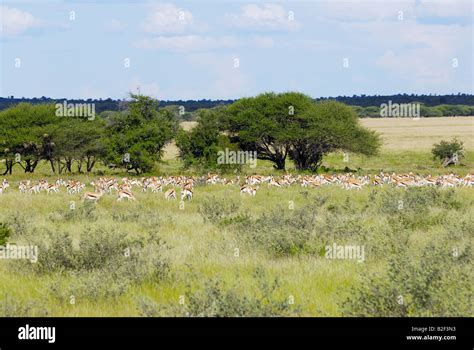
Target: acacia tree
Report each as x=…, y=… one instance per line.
x=290, y=124
x=139, y=134
x=22, y=130
x=326, y=127
x=31, y=133
x=75, y=140
x=267, y=124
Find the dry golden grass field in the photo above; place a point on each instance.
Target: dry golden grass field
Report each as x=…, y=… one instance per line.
x=420, y=134
x=401, y=134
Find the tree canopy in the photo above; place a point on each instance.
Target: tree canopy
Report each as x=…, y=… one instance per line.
x=138, y=135
x=291, y=124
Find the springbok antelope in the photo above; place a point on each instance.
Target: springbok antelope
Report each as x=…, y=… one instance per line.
x=245, y=189
x=34, y=189
x=353, y=183
x=274, y=183
x=124, y=194
x=186, y=194
x=4, y=186
x=170, y=194
x=92, y=196
x=75, y=187
x=52, y=188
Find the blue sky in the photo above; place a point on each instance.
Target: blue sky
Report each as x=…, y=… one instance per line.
x=230, y=49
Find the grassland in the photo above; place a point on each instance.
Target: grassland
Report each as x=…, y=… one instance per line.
x=407, y=134
x=216, y=244
x=200, y=250
x=406, y=146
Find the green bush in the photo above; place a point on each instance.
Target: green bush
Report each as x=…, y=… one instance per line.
x=10, y=306
x=437, y=283
x=216, y=210
x=414, y=206
x=104, y=263
x=282, y=232
x=5, y=233
x=217, y=300
x=20, y=223
x=447, y=149
x=85, y=210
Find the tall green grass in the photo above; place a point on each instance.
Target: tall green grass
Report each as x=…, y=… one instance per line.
x=214, y=246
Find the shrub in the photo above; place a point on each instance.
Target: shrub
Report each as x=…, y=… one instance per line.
x=216, y=210
x=282, y=232
x=10, y=306
x=214, y=300
x=148, y=307
x=58, y=256
x=5, y=233
x=20, y=223
x=105, y=263
x=85, y=210
x=435, y=284
x=447, y=149
x=416, y=199
x=458, y=227
x=413, y=206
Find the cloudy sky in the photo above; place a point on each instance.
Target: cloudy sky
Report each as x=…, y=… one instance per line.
x=229, y=49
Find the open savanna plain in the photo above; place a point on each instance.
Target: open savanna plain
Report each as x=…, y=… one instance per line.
x=224, y=254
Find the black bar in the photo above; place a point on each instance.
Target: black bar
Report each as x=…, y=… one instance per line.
x=356, y=331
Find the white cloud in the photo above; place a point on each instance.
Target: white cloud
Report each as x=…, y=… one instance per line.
x=15, y=22
x=265, y=17
x=168, y=19
x=419, y=53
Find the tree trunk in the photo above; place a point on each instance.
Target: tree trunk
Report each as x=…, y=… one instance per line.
x=279, y=163
x=90, y=164
x=9, y=165
x=51, y=161
x=69, y=165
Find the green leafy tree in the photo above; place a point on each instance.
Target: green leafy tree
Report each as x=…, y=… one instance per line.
x=23, y=128
x=326, y=127
x=5, y=233
x=291, y=124
x=76, y=140
x=139, y=134
x=200, y=146
x=267, y=124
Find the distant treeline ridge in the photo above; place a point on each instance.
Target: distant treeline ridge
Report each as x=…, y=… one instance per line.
x=370, y=104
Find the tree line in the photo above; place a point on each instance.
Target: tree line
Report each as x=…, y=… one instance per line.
x=132, y=139
x=371, y=101
x=443, y=110
x=276, y=127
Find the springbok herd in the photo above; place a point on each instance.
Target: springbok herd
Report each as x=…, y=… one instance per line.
x=248, y=186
